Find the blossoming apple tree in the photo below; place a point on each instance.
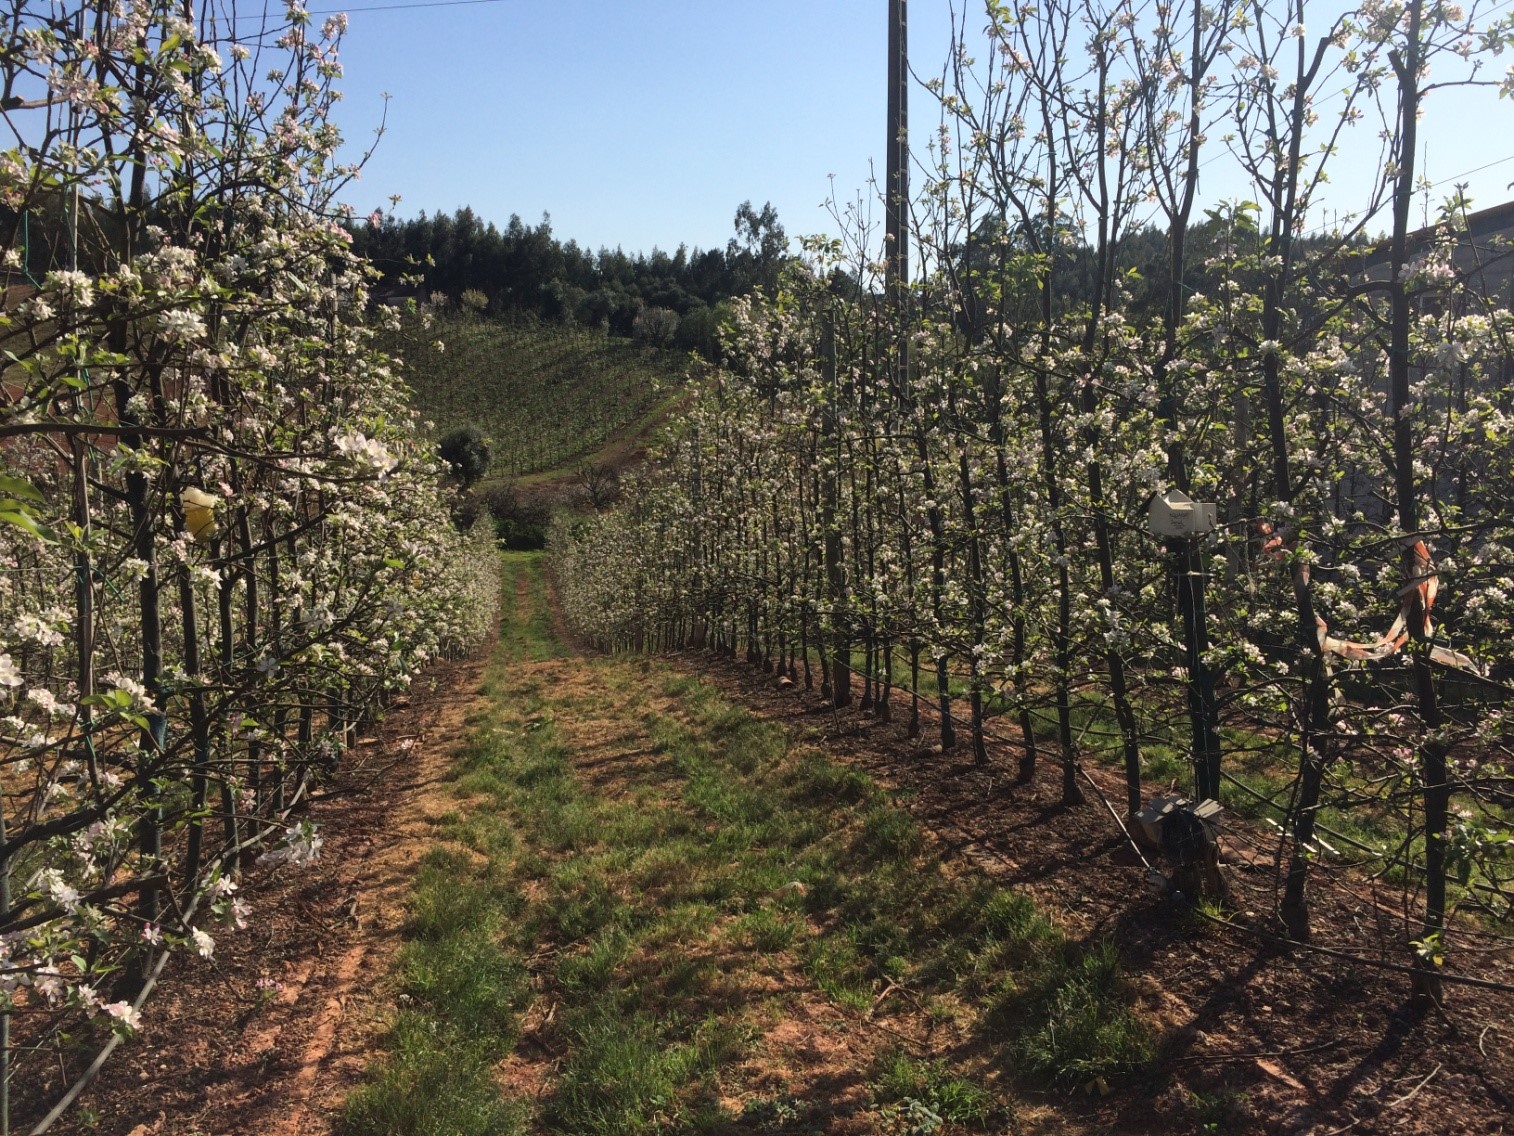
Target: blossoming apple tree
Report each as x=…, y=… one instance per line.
x=222, y=541
x=1087, y=334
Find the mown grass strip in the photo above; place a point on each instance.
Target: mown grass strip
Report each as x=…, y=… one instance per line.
x=527, y=634
x=644, y=880
x=462, y=994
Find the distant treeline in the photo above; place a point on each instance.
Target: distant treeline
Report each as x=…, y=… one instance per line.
x=679, y=299
x=669, y=298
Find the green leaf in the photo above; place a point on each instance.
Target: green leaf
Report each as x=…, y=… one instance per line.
x=20, y=487
x=25, y=522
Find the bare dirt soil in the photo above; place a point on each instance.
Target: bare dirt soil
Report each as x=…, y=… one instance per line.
x=1256, y=1041
x=216, y=1056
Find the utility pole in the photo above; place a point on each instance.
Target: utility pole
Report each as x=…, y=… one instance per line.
x=896, y=186
x=840, y=637
x=896, y=295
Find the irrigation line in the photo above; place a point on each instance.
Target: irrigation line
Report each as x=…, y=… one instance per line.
x=929, y=702
x=1123, y=826
x=1078, y=765
x=1216, y=1058
x=1325, y=876
x=1345, y=956
x=1402, y=968
x=1294, y=944
x=1373, y=853
x=86, y=1078
x=1266, y=800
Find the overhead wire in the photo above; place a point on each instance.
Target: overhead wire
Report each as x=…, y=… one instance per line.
x=399, y=7
x=1325, y=876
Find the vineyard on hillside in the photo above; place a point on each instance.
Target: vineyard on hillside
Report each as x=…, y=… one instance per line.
x=945, y=489
x=224, y=543
x=544, y=396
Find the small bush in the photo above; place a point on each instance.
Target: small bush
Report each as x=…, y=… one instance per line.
x=466, y=453
x=656, y=326
x=953, y=1099
x=520, y=520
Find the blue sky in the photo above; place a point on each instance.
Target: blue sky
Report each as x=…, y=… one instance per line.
x=637, y=122
x=644, y=123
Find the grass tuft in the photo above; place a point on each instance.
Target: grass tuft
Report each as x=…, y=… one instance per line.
x=1076, y=1029
x=952, y=1098
x=433, y=1084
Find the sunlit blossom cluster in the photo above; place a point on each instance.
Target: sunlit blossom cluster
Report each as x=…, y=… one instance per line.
x=946, y=494
x=223, y=539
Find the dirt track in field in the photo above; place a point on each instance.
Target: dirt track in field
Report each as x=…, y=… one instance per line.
x=219, y=1058
x=1286, y=1044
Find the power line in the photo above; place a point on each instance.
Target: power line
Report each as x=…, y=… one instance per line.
x=1323, y=225
x=398, y=7
x=1478, y=170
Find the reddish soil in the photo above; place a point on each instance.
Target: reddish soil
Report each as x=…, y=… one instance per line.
x=1254, y=1040
x=216, y=1058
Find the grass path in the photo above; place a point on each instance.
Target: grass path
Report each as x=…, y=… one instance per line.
x=650, y=911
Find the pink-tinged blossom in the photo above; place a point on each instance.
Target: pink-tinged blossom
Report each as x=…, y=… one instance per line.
x=49, y=984
x=300, y=847
x=35, y=629
x=44, y=700
x=125, y=1013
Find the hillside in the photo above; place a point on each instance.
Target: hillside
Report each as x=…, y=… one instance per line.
x=546, y=397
